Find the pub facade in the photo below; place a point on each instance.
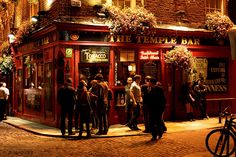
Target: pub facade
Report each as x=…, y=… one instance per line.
x=65, y=48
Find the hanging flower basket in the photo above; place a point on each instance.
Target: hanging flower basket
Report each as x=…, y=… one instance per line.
x=136, y=20
x=6, y=64
x=218, y=23
x=181, y=58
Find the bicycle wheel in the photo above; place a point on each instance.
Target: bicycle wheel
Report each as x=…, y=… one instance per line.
x=220, y=143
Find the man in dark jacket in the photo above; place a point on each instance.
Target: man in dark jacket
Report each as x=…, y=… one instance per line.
x=156, y=105
x=145, y=107
x=66, y=98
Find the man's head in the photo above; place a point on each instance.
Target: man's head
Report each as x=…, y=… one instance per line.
x=69, y=81
x=99, y=77
x=147, y=78
x=137, y=78
x=4, y=84
x=129, y=80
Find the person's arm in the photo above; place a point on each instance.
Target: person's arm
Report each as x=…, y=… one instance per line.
x=132, y=95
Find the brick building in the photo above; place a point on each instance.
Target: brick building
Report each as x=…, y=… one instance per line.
x=72, y=38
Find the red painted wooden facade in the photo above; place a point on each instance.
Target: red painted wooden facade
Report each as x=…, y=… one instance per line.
x=54, y=53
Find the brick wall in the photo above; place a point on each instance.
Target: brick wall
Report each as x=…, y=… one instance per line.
x=192, y=11
x=165, y=10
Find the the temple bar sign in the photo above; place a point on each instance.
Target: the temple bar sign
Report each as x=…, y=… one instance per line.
x=94, y=54
x=154, y=39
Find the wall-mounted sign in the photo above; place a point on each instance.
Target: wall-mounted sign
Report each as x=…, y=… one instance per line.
x=154, y=39
x=217, y=75
x=94, y=54
x=69, y=52
x=149, y=55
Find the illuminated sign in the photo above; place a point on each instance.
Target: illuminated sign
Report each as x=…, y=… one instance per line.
x=149, y=55
x=154, y=39
x=69, y=52
x=95, y=55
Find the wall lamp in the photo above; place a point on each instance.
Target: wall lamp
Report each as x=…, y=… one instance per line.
x=11, y=38
x=34, y=19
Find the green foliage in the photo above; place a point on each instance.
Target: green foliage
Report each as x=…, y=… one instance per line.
x=6, y=64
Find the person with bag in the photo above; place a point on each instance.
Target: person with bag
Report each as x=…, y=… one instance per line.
x=84, y=107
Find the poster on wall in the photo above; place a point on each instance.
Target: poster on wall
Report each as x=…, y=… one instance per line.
x=217, y=75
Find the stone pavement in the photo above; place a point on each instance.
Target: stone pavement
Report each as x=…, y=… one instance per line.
x=117, y=130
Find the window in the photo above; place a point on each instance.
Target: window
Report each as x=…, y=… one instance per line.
x=127, y=3
x=216, y=5
x=126, y=65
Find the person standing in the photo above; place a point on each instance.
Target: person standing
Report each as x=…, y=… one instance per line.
x=102, y=105
x=187, y=99
x=76, y=112
x=93, y=91
x=135, y=93
x=84, y=108
x=156, y=106
x=128, y=100
x=200, y=90
x=145, y=107
x=66, y=98
x=3, y=96
x=4, y=86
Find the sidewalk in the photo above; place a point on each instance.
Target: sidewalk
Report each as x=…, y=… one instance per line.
x=117, y=130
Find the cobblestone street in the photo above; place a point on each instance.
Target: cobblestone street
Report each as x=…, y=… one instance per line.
x=16, y=142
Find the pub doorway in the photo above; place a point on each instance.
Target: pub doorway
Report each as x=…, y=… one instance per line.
x=87, y=71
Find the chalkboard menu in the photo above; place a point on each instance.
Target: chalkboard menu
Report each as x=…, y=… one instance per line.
x=150, y=69
x=217, y=75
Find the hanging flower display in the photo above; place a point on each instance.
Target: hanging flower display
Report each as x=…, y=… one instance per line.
x=181, y=57
x=218, y=23
x=136, y=20
x=24, y=30
x=6, y=64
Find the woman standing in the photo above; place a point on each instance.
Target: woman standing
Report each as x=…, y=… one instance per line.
x=187, y=99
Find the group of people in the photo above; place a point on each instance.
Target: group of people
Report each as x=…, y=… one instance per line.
x=194, y=96
x=151, y=99
x=4, y=94
x=85, y=105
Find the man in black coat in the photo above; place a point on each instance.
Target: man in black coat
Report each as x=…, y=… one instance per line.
x=145, y=93
x=156, y=105
x=66, y=98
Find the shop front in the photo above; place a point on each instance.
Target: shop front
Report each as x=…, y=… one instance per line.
x=78, y=51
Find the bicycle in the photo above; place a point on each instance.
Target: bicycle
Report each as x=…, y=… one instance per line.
x=221, y=141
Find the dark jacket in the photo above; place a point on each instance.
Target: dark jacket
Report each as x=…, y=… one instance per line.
x=66, y=97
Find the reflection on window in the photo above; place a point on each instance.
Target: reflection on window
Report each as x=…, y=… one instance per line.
x=216, y=5
x=33, y=78
x=48, y=87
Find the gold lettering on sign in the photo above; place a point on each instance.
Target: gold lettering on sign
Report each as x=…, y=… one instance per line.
x=173, y=40
x=154, y=39
x=184, y=41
